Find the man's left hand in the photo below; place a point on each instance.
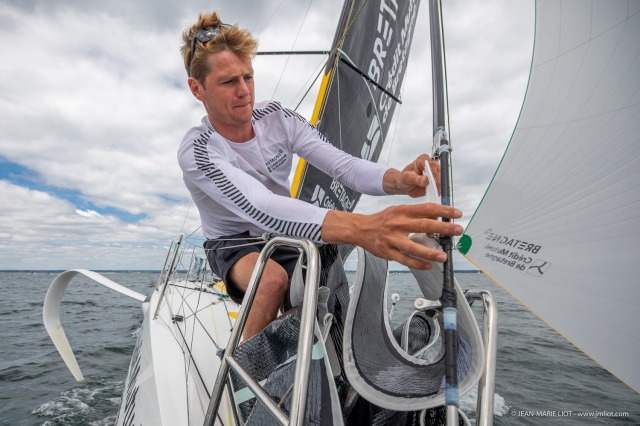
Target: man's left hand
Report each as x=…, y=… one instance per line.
x=411, y=180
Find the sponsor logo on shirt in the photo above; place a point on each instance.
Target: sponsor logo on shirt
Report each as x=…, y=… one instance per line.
x=276, y=161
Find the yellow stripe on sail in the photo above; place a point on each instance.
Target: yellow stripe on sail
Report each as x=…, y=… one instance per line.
x=301, y=168
x=297, y=178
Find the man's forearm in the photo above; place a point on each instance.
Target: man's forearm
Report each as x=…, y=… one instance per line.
x=389, y=182
x=342, y=227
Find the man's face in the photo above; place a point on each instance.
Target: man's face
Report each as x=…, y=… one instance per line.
x=228, y=94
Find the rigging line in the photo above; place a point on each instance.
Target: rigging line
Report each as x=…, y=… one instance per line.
x=337, y=49
x=186, y=215
x=353, y=66
x=373, y=100
x=204, y=327
x=241, y=245
x=341, y=53
x=195, y=366
x=201, y=290
x=266, y=23
x=189, y=351
x=333, y=51
x=310, y=86
x=293, y=44
x=170, y=327
x=193, y=330
x=195, y=287
x=199, y=298
x=331, y=58
x=203, y=308
x=226, y=308
x=321, y=67
x=395, y=128
x=393, y=140
x=193, y=232
x=311, y=81
x=397, y=118
x=351, y=23
x=169, y=307
x=194, y=313
x=337, y=84
x=238, y=239
x=294, y=52
x=374, y=103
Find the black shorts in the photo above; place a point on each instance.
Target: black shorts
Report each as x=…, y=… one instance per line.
x=224, y=252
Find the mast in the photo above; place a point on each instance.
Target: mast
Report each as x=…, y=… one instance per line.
x=442, y=150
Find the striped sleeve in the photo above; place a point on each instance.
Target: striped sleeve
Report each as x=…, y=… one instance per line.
x=245, y=197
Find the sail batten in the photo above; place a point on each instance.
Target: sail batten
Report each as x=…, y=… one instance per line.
x=559, y=227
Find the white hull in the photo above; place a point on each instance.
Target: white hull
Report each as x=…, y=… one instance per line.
x=175, y=361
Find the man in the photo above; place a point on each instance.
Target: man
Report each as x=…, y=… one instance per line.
x=236, y=165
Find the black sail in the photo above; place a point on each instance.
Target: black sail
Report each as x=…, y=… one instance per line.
x=359, y=91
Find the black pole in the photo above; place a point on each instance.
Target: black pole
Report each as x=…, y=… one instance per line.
x=442, y=150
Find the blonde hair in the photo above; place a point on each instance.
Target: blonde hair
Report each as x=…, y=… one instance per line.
x=233, y=38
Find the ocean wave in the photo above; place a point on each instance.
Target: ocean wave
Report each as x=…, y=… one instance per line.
x=468, y=404
x=84, y=405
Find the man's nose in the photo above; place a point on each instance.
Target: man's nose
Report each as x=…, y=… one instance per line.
x=243, y=88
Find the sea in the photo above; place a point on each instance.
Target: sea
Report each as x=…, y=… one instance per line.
x=541, y=379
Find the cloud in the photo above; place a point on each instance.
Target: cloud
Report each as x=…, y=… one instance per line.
x=94, y=103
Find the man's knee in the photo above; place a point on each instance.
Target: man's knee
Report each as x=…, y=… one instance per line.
x=274, y=279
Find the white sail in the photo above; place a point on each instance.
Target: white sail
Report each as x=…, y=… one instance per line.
x=559, y=226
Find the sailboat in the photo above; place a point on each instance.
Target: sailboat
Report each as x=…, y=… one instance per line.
x=191, y=329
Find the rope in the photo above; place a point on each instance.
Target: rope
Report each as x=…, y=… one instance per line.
x=241, y=245
x=293, y=44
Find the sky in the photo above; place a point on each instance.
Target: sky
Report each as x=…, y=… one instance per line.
x=94, y=102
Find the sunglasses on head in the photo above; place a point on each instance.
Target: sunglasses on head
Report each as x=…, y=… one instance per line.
x=204, y=35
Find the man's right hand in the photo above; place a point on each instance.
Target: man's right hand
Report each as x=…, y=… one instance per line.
x=386, y=234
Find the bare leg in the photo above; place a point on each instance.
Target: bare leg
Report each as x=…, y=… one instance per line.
x=270, y=294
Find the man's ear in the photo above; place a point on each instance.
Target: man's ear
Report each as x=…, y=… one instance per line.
x=196, y=88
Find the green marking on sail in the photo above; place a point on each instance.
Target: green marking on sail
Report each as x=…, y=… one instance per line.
x=464, y=244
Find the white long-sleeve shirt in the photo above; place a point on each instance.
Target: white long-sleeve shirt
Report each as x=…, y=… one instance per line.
x=240, y=187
